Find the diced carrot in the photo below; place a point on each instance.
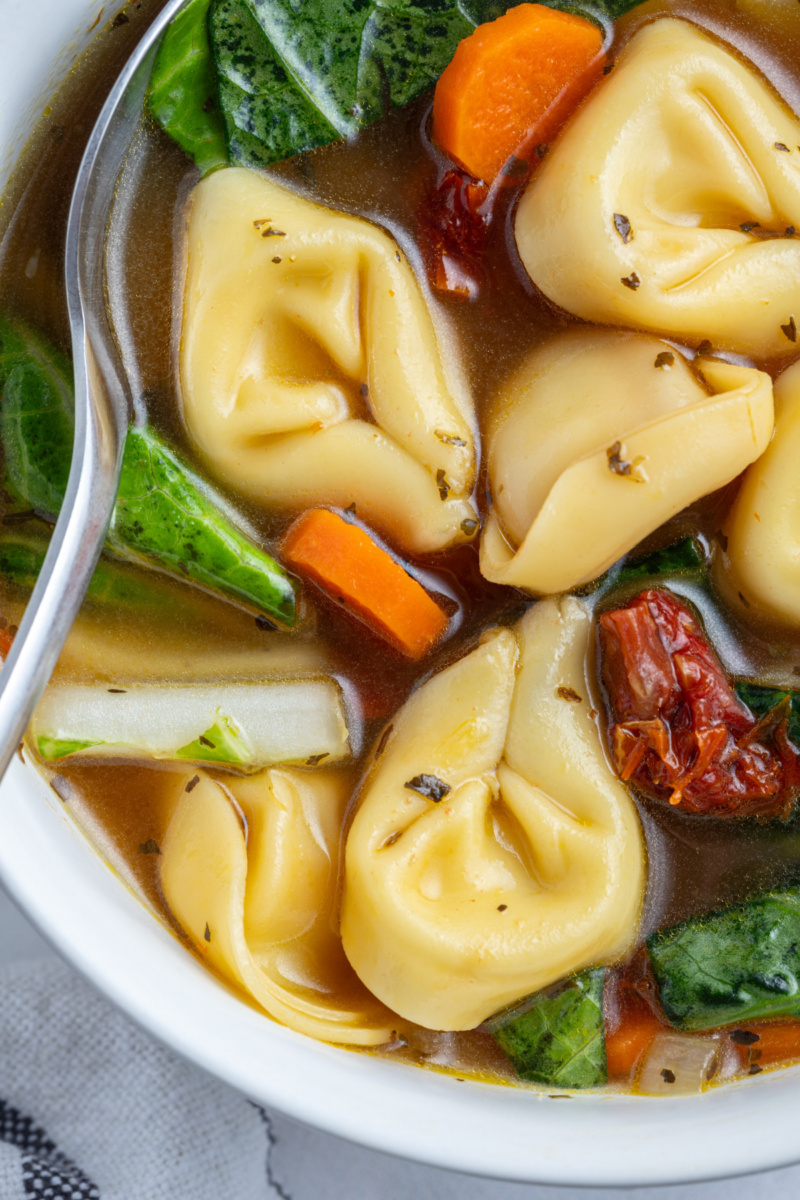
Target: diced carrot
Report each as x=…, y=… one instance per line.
x=6, y=642
x=630, y=1016
x=762, y=1043
x=341, y=558
x=512, y=83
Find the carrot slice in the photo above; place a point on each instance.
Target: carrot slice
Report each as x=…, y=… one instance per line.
x=6, y=642
x=762, y=1043
x=631, y=1018
x=513, y=82
x=341, y=558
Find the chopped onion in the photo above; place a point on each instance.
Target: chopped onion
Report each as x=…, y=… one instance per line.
x=678, y=1065
x=244, y=725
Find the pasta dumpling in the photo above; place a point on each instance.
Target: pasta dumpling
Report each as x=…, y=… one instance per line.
x=310, y=369
x=762, y=560
x=251, y=876
x=597, y=439
x=494, y=851
x=670, y=202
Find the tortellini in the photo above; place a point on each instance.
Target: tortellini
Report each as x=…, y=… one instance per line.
x=310, y=368
x=529, y=867
x=763, y=529
x=251, y=876
x=670, y=203
x=597, y=439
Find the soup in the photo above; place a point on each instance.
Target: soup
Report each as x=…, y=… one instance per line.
x=436, y=686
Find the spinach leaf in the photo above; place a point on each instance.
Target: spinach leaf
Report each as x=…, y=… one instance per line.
x=163, y=516
x=736, y=965
x=760, y=699
x=556, y=1037
x=681, y=558
x=183, y=89
x=267, y=118
x=36, y=422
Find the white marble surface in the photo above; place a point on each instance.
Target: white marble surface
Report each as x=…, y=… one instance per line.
x=306, y=1165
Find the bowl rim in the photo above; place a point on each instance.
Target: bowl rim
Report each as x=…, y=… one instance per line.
x=94, y=920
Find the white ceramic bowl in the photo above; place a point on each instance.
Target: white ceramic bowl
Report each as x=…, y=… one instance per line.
x=95, y=922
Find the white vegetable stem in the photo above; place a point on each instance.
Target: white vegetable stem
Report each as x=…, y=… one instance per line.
x=242, y=724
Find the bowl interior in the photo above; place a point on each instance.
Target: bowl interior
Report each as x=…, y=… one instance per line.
x=95, y=921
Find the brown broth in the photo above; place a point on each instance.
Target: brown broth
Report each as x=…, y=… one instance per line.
x=694, y=863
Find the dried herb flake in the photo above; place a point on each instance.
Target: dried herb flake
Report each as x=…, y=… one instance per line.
x=631, y=281
x=665, y=359
x=623, y=227
x=429, y=786
x=790, y=329
x=150, y=847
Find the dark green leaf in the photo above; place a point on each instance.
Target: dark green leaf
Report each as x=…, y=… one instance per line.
x=183, y=89
x=761, y=700
x=267, y=118
x=681, y=558
x=36, y=422
x=556, y=1037
x=733, y=966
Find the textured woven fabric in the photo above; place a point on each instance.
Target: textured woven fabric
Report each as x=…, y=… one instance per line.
x=92, y=1109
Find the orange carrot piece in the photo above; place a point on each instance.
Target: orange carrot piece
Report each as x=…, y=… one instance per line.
x=778, y=1041
x=631, y=1017
x=6, y=642
x=512, y=83
x=341, y=558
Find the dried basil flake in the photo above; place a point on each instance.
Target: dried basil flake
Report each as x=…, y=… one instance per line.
x=782, y=146
x=744, y=1037
x=790, y=329
x=207, y=933
x=192, y=784
x=150, y=847
x=616, y=462
x=442, y=484
x=314, y=759
x=623, y=227
x=667, y=1075
x=568, y=693
x=430, y=786
x=631, y=281
x=665, y=359
x=449, y=439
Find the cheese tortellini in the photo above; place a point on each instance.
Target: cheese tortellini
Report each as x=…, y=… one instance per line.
x=762, y=563
x=597, y=439
x=310, y=369
x=671, y=201
x=251, y=875
x=529, y=867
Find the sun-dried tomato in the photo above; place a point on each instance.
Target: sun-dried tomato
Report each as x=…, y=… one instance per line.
x=678, y=729
x=454, y=224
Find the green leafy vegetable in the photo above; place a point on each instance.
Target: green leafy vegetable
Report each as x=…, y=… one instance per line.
x=556, y=1037
x=761, y=700
x=267, y=118
x=221, y=742
x=681, y=558
x=113, y=584
x=36, y=416
x=162, y=518
x=51, y=749
x=183, y=89
x=733, y=966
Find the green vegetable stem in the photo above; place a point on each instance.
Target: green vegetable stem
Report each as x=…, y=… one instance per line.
x=732, y=966
x=282, y=77
x=556, y=1037
x=162, y=518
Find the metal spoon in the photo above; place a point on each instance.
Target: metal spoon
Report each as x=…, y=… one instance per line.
x=102, y=404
